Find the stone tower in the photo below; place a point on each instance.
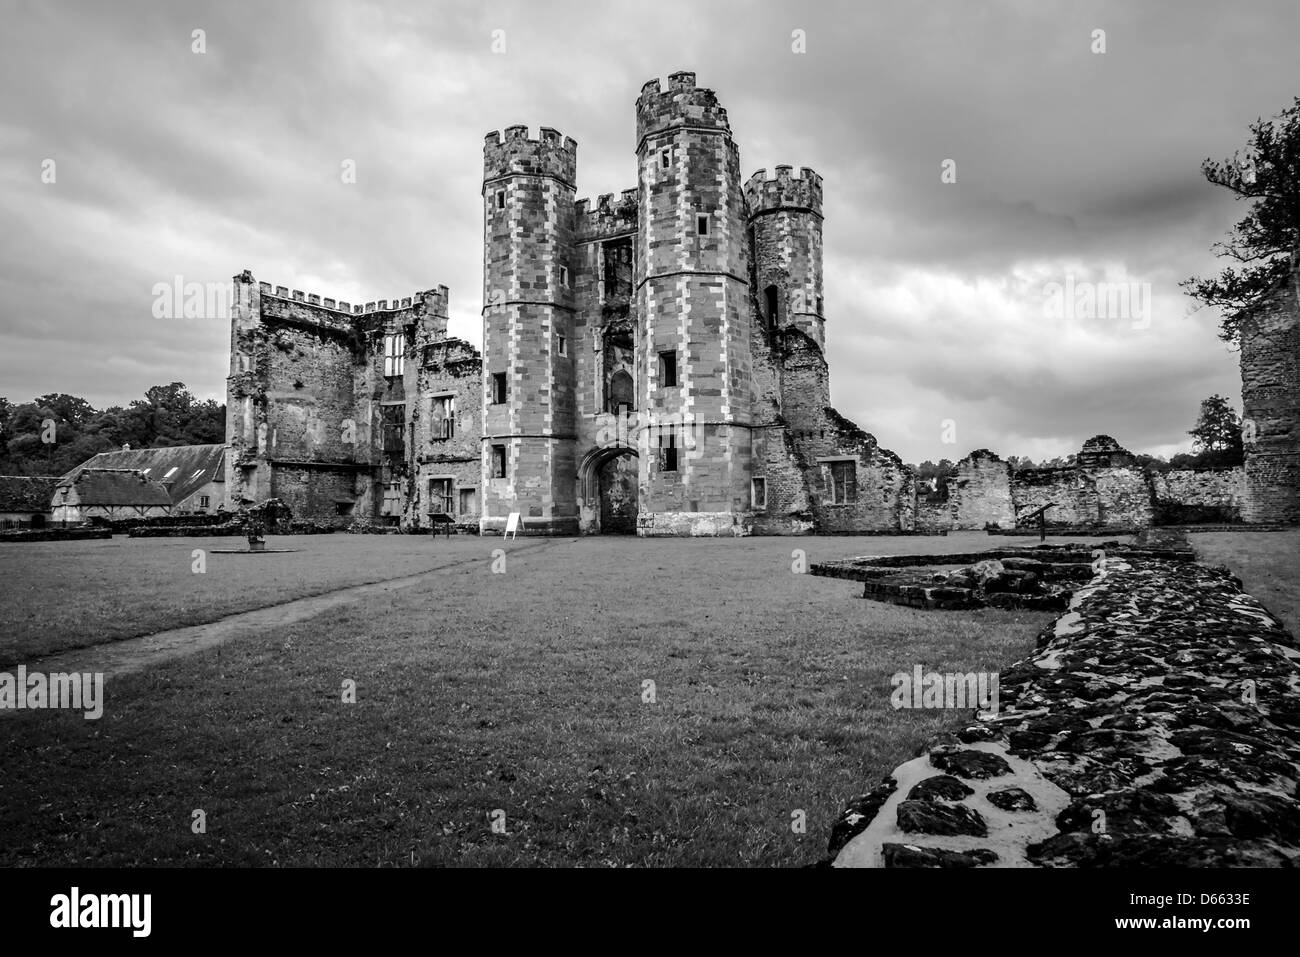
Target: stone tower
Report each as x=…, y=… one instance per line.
x=1270, y=398
x=528, y=412
x=691, y=269
x=785, y=215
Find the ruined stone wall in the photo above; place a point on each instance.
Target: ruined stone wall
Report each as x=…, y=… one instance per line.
x=1124, y=740
x=981, y=492
x=1213, y=487
x=1270, y=392
x=884, y=494
x=448, y=369
x=306, y=400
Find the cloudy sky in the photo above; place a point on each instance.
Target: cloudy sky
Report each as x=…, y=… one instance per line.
x=1070, y=165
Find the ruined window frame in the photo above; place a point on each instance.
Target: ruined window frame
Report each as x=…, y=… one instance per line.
x=666, y=158
x=843, y=492
x=613, y=405
x=461, y=510
x=499, y=464
x=758, y=502
x=500, y=389
x=564, y=277
x=447, y=416
x=394, y=354
x=447, y=498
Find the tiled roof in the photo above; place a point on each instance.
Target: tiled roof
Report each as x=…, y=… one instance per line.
x=116, y=487
x=182, y=469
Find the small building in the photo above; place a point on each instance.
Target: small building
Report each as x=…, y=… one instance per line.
x=25, y=500
x=193, y=475
x=109, y=494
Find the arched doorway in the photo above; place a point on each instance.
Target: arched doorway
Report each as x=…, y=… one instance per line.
x=609, y=483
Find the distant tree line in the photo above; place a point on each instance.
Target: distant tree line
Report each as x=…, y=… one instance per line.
x=55, y=433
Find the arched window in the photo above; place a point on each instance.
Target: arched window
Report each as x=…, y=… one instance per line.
x=772, y=295
x=622, y=393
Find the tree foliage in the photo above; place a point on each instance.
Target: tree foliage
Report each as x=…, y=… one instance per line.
x=1263, y=242
x=166, y=415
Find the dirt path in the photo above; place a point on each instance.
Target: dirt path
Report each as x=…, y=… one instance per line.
x=136, y=654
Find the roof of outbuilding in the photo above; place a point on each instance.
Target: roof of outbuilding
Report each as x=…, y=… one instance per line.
x=181, y=469
x=116, y=487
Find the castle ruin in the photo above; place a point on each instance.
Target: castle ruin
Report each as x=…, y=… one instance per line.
x=654, y=363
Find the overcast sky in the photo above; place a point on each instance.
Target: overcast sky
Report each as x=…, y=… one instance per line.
x=1070, y=165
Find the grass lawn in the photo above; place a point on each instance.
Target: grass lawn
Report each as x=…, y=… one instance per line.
x=1268, y=564
x=521, y=692
x=61, y=595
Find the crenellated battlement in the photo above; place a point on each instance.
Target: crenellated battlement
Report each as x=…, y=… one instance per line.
x=433, y=301
x=610, y=216
x=802, y=193
x=514, y=153
x=681, y=104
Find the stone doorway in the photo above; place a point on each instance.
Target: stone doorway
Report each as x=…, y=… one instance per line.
x=617, y=482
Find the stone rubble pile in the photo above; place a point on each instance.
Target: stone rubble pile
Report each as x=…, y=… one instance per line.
x=1157, y=724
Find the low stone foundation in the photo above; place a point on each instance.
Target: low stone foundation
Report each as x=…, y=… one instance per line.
x=55, y=534
x=1157, y=724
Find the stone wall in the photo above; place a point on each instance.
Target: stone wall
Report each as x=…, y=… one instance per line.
x=316, y=413
x=981, y=492
x=1105, y=489
x=1270, y=393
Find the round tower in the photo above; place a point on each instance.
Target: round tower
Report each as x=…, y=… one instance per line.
x=528, y=386
x=692, y=270
x=785, y=215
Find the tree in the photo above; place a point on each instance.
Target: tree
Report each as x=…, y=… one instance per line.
x=1217, y=433
x=1265, y=240
x=67, y=408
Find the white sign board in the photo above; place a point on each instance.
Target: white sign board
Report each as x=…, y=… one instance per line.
x=512, y=525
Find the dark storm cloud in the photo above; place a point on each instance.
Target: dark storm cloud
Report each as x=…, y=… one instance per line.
x=1068, y=164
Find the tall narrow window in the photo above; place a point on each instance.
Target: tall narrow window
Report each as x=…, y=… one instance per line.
x=443, y=418
x=668, y=369
x=770, y=294
x=498, y=388
x=498, y=461
x=665, y=158
x=564, y=276
x=394, y=358
x=758, y=493
x=702, y=224
x=501, y=199
x=668, y=451
x=562, y=345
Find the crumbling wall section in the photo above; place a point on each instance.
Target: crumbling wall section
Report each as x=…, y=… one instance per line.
x=1270, y=394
